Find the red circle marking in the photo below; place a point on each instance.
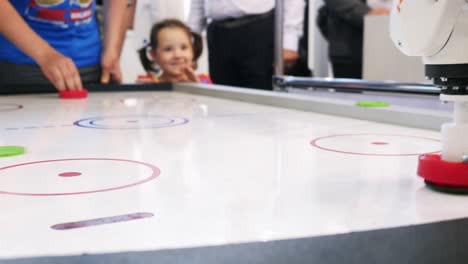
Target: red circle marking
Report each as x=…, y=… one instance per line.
x=316, y=144
x=69, y=174
x=379, y=143
x=154, y=169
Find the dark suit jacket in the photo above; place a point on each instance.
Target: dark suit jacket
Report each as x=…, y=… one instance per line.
x=344, y=29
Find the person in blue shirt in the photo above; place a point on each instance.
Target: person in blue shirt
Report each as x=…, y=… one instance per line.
x=58, y=41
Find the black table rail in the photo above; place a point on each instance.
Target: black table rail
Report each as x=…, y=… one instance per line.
x=91, y=87
x=356, y=85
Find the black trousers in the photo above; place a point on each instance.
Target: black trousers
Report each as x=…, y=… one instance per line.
x=347, y=70
x=241, y=51
x=18, y=74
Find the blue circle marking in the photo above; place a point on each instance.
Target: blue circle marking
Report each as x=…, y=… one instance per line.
x=131, y=122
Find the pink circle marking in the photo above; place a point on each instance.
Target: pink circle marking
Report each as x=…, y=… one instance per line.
x=316, y=144
x=379, y=143
x=69, y=174
x=155, y=173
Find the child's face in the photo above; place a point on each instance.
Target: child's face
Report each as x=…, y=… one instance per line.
x=174, y=51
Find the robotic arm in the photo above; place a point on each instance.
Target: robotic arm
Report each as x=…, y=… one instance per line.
x=423, y=28
x=437, y=31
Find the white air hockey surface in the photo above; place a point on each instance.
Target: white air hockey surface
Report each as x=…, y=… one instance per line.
x=201, y=171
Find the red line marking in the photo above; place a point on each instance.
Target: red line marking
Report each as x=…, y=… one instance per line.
x=69, y=174
x=379, y=143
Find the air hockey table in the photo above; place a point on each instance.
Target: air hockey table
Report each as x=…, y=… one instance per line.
x=192, y=173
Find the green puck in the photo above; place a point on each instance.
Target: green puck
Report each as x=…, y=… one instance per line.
x=8, y=151
x=372, y=104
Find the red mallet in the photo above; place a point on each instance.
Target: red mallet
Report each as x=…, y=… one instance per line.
x=83, y=93
x=443, y=175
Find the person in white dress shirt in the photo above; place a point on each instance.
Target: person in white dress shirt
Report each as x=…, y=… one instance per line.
x=241, y=38
x=380, y=4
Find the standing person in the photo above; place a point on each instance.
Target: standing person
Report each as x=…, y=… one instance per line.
x=175, y=49
x=58, y=41
x=342, y=24
x=241, y=38
x=301, y=67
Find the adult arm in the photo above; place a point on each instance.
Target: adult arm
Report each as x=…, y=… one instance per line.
x=60, y=70
x=115, y=27
x=293, y=29
x=197, y=17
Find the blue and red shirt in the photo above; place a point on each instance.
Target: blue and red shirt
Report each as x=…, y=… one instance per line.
x=69, y=26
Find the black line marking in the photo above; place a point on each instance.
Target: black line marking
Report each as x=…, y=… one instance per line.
x=102, y=221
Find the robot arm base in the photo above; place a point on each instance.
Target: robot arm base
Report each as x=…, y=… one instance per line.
x=451, y=78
